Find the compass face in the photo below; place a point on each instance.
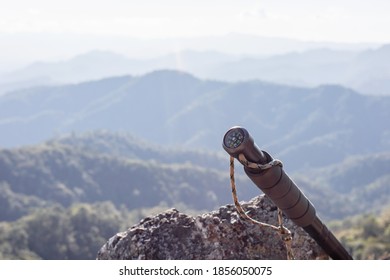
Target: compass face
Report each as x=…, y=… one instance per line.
x=234, y=138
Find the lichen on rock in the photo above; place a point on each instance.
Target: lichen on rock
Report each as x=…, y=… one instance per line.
x=220, y=234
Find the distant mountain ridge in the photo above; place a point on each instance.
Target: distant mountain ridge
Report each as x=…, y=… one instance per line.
x=365, y=71
x=303, y=126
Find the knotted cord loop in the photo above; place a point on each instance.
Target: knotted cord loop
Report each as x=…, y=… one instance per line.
x=284, y=233
x=272, y=163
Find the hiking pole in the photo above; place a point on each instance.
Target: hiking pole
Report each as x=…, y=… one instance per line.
x=269, y=176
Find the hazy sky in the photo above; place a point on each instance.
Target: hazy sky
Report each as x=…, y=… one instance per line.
x=326, y=20
x=32, y=30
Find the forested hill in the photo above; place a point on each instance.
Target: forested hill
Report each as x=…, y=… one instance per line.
x=116, y=167
x=59, y=173
x=75, y=191
x=127, y=146
x=357, y=185
x=303, y=126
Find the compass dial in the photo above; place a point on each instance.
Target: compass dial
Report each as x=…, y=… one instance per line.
x=234, y=138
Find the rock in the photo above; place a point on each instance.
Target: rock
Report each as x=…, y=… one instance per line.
x=220, y=234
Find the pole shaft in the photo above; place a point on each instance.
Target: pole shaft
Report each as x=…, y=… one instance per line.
x=286, y=195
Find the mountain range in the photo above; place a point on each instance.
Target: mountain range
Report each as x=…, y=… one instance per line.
x=365, y=71
x=305, y=127
x=48, y=46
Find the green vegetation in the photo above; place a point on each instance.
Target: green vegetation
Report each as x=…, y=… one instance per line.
x=357, y=185
x=64, y=198
x=64, y=174
x=367, y=236
x=76, y=232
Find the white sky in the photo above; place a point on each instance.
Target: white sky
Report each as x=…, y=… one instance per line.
x=324, y=20
x=52, y=30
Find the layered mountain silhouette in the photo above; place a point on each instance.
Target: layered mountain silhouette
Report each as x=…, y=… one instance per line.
x=366, y=71
x=305, y=127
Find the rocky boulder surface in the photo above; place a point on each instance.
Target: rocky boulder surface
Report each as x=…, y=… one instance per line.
x=220, y=234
